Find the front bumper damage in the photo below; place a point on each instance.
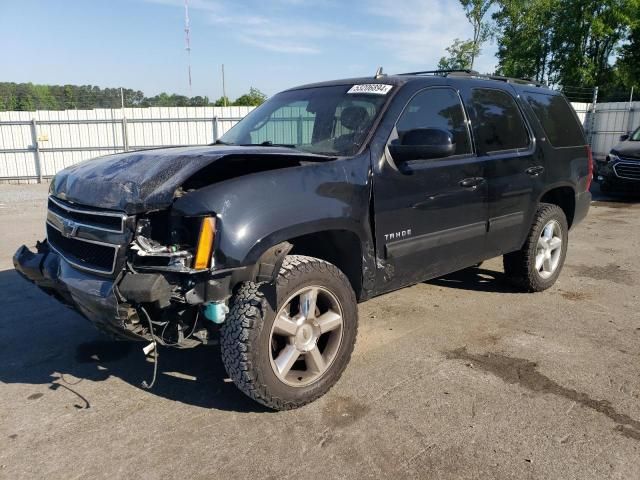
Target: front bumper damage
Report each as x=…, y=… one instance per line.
x=91, y=296
x=113, y=305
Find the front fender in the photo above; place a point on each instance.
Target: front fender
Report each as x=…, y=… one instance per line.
x=257, y=211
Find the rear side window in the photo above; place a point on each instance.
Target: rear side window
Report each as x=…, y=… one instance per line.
x=557, y=120
x=439, y=108
x=498, y=122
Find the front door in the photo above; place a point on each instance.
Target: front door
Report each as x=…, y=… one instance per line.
x=430, y=214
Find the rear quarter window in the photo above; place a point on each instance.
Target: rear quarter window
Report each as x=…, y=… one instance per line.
x=557, y=119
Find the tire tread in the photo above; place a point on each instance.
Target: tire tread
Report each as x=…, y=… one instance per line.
x=246, y=314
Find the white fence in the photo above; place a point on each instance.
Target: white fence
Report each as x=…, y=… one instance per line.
x=609, y=121
x=35, y=145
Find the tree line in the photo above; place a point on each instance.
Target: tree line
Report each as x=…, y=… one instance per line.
x=581, y=43
x=30, y=97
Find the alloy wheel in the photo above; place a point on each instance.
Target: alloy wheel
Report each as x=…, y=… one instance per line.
x=549, y=249
x=306, y=336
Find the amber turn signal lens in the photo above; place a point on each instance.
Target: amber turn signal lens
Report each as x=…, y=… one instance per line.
x=205, y=243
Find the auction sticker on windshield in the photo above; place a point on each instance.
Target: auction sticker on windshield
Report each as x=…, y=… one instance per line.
x=371, y=88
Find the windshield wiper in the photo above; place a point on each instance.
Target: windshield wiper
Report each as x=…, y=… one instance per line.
x=220, y=142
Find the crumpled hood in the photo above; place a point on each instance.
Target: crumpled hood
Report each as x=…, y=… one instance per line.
x=145, y=180
x=628, y=149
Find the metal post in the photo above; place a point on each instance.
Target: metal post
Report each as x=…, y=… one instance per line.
x=299, y=129
x=630, y=113
x=592, y=123
x=215, y=128
x=125, y=135
x=34, y=135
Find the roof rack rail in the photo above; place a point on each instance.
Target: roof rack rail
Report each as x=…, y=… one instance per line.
x=521, y=81
x=443, y=73
x=473, y=73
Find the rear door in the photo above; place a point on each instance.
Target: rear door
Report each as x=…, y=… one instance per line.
x=430, y=214
x=514, y=171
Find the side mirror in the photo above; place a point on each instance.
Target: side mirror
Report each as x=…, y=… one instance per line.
x=422, y=144
x=624, y=137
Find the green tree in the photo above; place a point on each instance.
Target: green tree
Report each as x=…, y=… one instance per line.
x=476, y=11
x=461, y=55
x=568, y=42
x=525, y=33
x=628, y=64
x=254, y=98
x=222, y=102
x=26, y=96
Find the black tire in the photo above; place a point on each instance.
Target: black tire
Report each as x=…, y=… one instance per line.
x=246, y=332
x=519, y=266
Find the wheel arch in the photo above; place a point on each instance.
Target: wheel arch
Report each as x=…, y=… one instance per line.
x=342, y=247
x=564, y=196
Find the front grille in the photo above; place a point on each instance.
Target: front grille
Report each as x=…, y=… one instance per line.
x=627, y=170
x=87, y=238
x=82, y=253
x=101, y=220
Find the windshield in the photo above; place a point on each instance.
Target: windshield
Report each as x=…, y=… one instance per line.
x=635, y=136
x=322, y=120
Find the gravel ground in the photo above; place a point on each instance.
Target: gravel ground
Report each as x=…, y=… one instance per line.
x=460, y=377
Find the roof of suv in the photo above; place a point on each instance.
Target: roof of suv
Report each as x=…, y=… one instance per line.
x=428, y=77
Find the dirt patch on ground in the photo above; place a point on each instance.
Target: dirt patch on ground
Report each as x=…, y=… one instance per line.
x=574, y=296
x=611, y=272
x=610, y=204
x=343, y=411
x=525, y=373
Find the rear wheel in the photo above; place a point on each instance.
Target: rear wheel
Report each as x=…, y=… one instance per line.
x=289, y=355
x=538, y=264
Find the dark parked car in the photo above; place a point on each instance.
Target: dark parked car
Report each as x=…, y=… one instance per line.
x=323, y=197
x=620, y=171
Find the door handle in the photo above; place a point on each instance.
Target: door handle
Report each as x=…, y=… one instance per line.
x=471, y=182
x=534, y=171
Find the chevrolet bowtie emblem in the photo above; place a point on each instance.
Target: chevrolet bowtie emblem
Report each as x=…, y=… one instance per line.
x=69, y=228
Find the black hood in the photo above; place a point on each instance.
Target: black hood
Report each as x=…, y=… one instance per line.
x=628, y=149
x=148, y=180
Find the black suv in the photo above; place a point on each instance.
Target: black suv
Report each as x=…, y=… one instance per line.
x=323, y=197
x=620, y=170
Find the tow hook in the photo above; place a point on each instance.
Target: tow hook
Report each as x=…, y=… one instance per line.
x=216, y=311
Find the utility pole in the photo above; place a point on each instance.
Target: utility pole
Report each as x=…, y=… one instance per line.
x=187, y=40
x=224, y=90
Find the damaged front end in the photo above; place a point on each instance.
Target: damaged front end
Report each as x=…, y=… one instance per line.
x=141, y=276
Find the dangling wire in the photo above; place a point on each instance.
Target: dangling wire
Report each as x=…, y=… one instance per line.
x=145, y=385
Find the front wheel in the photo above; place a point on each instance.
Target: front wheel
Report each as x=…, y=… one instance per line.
x=537, y=265
x=287, y=356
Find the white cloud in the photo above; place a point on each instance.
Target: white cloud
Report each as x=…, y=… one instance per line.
x=279, y=46
x=418, y=31
x=409, y=34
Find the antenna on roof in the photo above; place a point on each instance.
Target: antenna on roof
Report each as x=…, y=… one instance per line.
x=379, y=73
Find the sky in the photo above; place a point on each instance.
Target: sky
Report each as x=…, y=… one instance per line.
x=271, y=45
